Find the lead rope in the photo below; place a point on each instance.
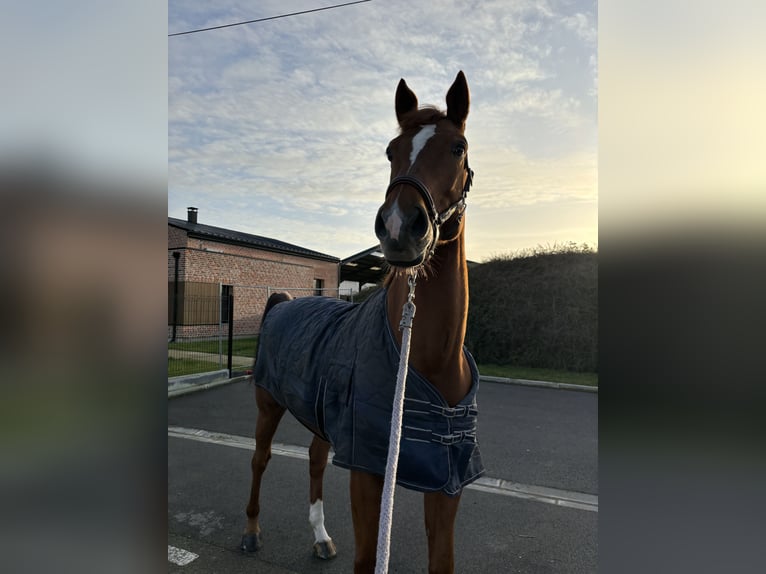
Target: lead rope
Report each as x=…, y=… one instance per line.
x=387, y=499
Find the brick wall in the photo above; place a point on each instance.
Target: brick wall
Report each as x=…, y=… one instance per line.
x=177, y=237
x=254, y=274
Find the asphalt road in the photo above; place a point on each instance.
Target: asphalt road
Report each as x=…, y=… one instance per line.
x=537, y=437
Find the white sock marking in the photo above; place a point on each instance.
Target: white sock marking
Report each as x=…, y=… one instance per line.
x=419, y=141
x=316, y=519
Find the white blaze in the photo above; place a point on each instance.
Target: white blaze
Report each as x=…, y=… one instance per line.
x=419, y=141
x=316, y=519
x=394, y=222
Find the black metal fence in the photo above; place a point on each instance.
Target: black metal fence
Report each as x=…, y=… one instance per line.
x=214, y=327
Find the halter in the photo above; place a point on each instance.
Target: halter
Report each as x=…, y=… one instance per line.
x=437, y=219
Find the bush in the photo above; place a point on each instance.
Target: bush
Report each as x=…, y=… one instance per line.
x=536, y=308
x=366, y=292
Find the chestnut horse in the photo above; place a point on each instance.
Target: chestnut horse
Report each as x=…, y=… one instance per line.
x=421, y=230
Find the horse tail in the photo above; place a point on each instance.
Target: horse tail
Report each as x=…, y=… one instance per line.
x=275, y=299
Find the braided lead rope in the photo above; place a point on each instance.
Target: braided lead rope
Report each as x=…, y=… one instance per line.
x=387, y=499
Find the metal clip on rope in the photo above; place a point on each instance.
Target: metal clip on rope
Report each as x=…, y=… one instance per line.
x=408, y=311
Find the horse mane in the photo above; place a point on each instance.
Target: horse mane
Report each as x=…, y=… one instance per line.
x=423, y=116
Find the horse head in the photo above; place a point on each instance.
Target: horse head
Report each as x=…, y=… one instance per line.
x=430, y=177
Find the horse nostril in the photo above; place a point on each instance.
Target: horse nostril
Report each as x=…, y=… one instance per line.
x=419, y=224
x=380, y=227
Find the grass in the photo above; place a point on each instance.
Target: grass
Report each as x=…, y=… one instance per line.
x=178, y=367
x=552, y=375
x=241, y=347
x=246, y=348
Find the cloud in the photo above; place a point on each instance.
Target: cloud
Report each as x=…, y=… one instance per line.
x=293, y=115
x=506, y=178
x=581, y=25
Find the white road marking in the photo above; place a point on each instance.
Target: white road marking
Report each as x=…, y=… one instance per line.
x=180, y=556
x=555, y=496
x=419, y=141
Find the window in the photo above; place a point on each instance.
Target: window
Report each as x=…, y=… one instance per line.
x=318, y=284
x=226, y=292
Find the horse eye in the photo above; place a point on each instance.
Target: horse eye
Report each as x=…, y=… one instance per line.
x=388, y=154
x=458, y=149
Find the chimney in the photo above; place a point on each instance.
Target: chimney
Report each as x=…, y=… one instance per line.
x=191, y=214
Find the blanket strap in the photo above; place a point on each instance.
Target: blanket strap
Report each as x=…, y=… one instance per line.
x=387, y=499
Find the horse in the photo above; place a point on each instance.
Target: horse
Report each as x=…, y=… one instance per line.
x=333, y=364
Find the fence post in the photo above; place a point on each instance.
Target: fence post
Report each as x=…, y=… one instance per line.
x=220, y=325
x=176, y=255
x=231, y=330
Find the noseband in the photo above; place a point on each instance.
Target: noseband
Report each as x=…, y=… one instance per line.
x=437, y=219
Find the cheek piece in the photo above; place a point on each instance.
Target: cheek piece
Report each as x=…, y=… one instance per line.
x=437, y=219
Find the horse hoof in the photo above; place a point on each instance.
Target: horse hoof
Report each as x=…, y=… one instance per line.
x=251, y=542
x=325, y=550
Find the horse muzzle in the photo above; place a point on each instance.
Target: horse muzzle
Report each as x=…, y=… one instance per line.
x=405, y=235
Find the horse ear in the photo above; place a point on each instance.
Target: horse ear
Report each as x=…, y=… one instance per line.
x=458, y=101
x=406, y=100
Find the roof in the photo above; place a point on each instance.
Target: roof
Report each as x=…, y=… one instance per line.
x=232, y=237
x=368, y=266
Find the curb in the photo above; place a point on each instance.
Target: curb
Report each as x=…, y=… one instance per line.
x=197, y=378
x=539, y=384
x=192, y=388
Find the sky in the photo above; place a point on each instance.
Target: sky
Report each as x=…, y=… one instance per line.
x=279, y=128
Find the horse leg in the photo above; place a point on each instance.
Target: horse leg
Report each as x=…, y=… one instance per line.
x=269, y=414
x=324, y=547
x=366, y=491
x=440, y=511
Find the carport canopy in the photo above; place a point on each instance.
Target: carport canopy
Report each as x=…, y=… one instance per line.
x=368, y=266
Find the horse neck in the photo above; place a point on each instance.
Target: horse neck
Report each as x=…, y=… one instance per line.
x=438, y=330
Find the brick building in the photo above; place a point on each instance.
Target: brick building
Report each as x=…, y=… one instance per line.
x=206, y=264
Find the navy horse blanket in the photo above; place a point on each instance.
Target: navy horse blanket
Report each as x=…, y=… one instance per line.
x=333, y=365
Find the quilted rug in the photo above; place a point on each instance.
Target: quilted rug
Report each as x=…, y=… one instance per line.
x=333, y=365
